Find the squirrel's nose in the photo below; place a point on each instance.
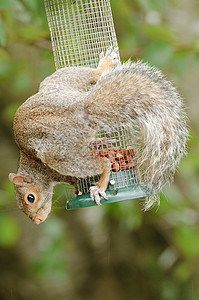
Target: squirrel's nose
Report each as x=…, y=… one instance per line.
x=38, y=220
x=41, y=216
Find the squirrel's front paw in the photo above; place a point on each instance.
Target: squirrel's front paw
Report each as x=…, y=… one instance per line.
x=95, y=194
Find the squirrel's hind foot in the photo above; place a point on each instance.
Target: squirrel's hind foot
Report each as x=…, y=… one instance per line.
x=111, y=56
x=95, y=194
x=107, y=60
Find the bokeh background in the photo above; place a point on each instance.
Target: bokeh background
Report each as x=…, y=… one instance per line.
x=114, y=251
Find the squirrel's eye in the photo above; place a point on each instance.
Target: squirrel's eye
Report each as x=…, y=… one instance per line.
x=31, y=198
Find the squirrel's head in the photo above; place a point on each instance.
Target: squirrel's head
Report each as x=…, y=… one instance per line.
x=33, y=199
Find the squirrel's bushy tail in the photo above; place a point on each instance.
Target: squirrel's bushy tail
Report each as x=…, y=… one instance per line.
x=138, y=96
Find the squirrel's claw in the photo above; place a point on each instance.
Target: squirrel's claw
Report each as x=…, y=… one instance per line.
x=95, y=194
x=103, y=194
x=114, y=54
x=111, y=52
x=101, y=55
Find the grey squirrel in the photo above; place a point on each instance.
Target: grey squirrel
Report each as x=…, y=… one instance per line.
x=54, y=127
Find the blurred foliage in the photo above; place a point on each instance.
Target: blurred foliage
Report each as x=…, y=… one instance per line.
x=116, y=251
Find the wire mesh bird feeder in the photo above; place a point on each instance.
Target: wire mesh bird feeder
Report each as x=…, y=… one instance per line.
x=80, y=31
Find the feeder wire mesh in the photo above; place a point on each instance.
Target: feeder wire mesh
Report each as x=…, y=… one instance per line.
x=80, y=31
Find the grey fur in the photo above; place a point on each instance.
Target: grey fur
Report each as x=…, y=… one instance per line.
x=150, y=105
x=56, y=125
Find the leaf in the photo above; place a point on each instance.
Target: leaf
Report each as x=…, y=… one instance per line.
x=31, y=33
x=32, y=5
x=10, y=230
x=9, y=111
x=129, y=42
x=2, y=33
x=9, y=4
x=150, y=5
x=180, y=61
x=159, y=32
x=5, y=68
x=196, y=44
x=187, y=239
x=183, y=271
x=158, y=53
x=196, y=58
x=131, y=214
x=51, y=263
x=4, y=54
x=21, y=82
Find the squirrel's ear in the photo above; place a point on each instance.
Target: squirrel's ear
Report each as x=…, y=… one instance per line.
x=19, y=180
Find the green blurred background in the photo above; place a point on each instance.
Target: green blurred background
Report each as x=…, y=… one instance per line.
x=115, y=251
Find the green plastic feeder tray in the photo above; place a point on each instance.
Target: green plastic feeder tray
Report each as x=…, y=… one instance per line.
x=114, y=193
x=125, y=183
x=130, y=193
